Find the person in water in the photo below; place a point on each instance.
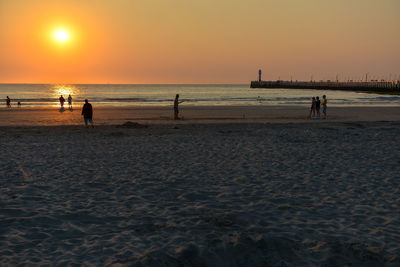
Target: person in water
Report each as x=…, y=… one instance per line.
x=70, y=101
x=176, y=107
x=87, y=113
x=8, y=102
x=62, y=100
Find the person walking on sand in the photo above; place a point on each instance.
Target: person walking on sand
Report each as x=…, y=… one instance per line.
x=8, y=102
x=70, y=102
x=62, y=100
x=176, y=107
x=318, y=106
x=324, y=105
x=87, y=112
x=312, y=110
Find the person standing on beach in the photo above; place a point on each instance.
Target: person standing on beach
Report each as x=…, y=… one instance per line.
x=312, y=110
x=176, y=108
x=318, y=106
x=62, y=100
x=324, y=105
x=70, y=101
x=8, y=102
x=87, y=112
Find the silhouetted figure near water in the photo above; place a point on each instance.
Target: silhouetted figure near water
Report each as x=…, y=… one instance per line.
x=70, y=102
x=87, y=112
x=324, y=105
x=8, y=102
x=318, y=106
x=176, y=107
x=312, y=110
x=19, y=104
x=62, y=100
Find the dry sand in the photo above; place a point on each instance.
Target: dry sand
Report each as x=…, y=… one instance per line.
x=212, y=190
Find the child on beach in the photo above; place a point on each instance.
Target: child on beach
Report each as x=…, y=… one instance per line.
x=312, y=110
x=318, y=106
x=324, y=105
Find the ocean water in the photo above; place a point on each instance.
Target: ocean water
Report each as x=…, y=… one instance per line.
x=46, y=95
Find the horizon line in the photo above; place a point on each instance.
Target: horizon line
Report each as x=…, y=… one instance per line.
x=85, y=83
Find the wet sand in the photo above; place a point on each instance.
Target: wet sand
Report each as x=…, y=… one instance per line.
x=191, y=114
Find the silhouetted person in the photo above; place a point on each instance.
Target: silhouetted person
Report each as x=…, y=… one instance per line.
x=8, y=101
x=87, y=112
x=324, y=105
x=19, y=104
x=70, y=101
x=176, y=107
x=318, y=106
x=62, y=100
x=312, y=110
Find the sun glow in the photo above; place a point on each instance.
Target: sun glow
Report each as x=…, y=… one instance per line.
x=65, y=91
x=61, y=35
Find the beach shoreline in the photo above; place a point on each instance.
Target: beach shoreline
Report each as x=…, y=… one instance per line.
x=192, y=114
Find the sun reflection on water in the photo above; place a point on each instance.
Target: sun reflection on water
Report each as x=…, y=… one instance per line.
x=64, y=90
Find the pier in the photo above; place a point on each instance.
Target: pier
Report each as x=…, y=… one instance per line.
x=370, y=86
x=375, y=86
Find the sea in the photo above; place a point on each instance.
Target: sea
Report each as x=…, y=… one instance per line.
x=46, y=95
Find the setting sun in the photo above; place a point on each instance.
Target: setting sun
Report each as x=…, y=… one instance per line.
x=61, y=35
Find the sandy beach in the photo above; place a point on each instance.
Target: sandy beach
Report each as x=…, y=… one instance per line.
x=243, y=176
x=191, y=114
x=226, y=186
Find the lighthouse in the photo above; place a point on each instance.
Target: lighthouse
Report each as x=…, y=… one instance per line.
x=259, y=75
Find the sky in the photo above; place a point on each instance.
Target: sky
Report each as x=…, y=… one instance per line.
x=192, y=41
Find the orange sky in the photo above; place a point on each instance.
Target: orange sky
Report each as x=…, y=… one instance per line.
x=190, y=41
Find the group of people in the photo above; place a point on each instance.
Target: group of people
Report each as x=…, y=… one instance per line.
x=62, y=100
x=8, y=102
x=316, y=107
x=87, y=109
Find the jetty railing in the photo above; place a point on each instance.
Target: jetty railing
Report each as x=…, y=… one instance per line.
x=372, y=86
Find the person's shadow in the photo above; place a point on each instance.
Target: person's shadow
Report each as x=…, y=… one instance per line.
x=62, y=109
